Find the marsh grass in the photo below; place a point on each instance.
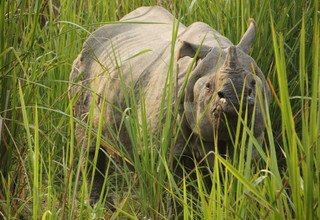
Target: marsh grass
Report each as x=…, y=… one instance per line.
x=42, y=166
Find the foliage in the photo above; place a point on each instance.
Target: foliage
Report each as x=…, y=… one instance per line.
x=41, y=163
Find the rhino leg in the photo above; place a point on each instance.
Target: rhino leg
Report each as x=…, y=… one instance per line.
x=186, y=158
x=83, y=98
x=100, y=172
x=98, y=178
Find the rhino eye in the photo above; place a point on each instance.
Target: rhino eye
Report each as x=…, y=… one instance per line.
x=208, y=85
x=253, y=83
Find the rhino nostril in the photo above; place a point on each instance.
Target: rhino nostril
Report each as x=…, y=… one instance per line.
x=221, y=94
x=249, y=92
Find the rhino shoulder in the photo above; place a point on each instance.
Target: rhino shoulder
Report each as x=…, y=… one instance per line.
x=200, y=33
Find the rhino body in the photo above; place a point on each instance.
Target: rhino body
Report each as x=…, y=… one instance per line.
x=136, y=55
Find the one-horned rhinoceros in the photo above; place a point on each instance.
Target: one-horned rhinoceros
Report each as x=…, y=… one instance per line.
x=210, y=73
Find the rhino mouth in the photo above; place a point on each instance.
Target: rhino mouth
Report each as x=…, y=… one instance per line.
x=224, y=106
x=219, y=107
x=224, y=116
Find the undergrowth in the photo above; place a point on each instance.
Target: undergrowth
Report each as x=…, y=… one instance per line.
x=42, y=165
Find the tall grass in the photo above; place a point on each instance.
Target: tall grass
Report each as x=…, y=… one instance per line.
x=42, y=166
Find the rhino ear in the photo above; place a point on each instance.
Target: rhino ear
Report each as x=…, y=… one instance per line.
x=189, y=49
x=248, y=37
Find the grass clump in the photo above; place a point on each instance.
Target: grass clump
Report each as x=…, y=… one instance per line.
x=41, y=164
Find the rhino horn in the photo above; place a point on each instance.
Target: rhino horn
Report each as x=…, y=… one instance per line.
x=248, y=37
x=231, y=63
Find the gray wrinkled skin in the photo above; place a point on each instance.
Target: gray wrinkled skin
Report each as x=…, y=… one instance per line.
x=136, y=56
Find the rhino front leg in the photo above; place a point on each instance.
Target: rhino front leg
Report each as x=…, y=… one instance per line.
x=96, y=172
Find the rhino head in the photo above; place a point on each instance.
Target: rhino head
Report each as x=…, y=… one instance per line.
x=223, y=81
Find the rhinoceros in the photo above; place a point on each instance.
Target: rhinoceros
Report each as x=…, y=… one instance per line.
x=213, y=78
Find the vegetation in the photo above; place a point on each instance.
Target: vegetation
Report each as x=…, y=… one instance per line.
x=41, y=163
